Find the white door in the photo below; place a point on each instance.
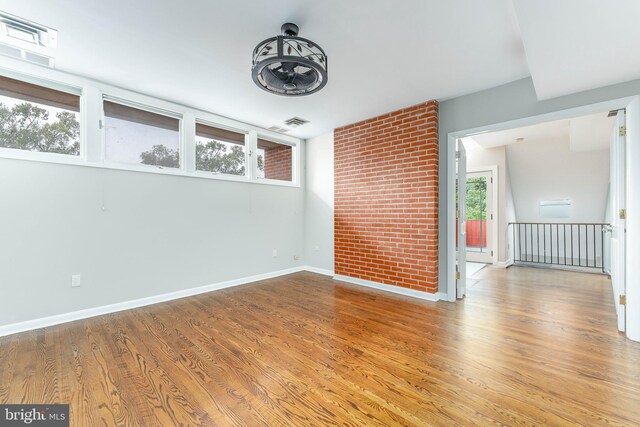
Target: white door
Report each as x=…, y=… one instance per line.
x=479, y=216
x=461, y=220
x=618, y=222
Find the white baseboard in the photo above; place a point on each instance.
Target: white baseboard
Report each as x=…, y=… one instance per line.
x=141, y=302
x=317, y=270
x=57, y=319
x=394, y=289
x=504, y=264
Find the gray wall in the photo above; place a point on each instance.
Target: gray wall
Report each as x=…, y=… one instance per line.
x=319, y=202
x=511, y=101
x=132, y=235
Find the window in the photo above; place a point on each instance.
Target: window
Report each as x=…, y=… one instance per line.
x=58, y=121
x=220, y=150
x=36, y=118
x=275, y=161
x=138, y=136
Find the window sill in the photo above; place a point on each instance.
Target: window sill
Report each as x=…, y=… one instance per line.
x=64, y=159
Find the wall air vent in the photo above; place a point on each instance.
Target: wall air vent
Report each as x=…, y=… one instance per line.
x=26, y=40
x=278, y=129
x=295, y=122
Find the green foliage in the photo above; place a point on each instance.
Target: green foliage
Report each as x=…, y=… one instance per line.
x=476, y=198
x=260, y=162
x=25, y=126
x=215, y=156
x=160, y=155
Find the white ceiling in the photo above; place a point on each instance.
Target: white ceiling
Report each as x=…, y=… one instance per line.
x=584, y=133
x=590, y=133
x=575, y=45
x=556, y=130
x=383, y=54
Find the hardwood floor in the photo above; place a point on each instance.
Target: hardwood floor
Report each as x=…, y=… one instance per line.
x=526, y=347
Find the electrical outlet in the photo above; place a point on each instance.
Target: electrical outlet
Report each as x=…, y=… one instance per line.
x=75, y=281
x=275, y=253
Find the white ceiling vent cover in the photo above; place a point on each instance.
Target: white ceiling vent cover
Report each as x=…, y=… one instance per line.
x=26, y=40
x=295, y=122
x=278, y=129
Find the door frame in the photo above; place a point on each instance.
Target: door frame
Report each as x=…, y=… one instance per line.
x=618, y=189
x=494, y=205
x=461, y=220
x=632, y=104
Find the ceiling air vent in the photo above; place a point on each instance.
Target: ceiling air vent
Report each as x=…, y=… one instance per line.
x=26, y=40
x=278, y=129
x=295, y=122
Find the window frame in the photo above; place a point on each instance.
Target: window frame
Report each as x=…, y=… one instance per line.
x=295, y=159
x=225, y=176
x=16, y=153
x=150, y=109
x=92, y=136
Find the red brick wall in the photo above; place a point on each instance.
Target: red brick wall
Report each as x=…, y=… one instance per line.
x=278, y=163
x=386, y=198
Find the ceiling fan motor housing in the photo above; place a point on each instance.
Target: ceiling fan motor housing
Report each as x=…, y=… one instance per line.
x=289, y=65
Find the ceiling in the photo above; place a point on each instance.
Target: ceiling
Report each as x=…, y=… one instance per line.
x=584, y=133
x=575, y=45
x=383, y=54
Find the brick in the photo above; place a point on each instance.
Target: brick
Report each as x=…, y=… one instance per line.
x=386, y=198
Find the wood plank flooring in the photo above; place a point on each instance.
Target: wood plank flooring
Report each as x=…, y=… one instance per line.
x=526, y=347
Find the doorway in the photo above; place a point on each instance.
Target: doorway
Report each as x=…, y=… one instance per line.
x=555, y=181
x=479, y=216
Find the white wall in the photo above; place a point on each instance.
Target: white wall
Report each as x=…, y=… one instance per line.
x=132, y=235
x=515, y=101
x=549, y=170
x=319, y=202
x=510, y=208
x=509, y=102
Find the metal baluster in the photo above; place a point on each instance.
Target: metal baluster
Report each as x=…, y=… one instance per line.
x=595, y=257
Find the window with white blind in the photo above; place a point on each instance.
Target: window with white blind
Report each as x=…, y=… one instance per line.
x=137, y=136
x=220, y=151
x=274, y=160
x=38, y=119
x=51, y=116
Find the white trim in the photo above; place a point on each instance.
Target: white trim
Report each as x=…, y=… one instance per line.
x=614, y=104
x=143, y=107
x=450, y=218
x=504, y=264
x=494, y=205
x=390, y=288
x=141, y=302
x=317, y=270
x=92, y=147
x=63, y=159
x=43, y=322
